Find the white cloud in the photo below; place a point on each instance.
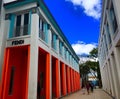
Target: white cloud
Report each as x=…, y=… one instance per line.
x=82, y=48
x=91, y=7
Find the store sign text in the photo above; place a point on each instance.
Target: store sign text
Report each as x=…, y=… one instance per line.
x=17, y=42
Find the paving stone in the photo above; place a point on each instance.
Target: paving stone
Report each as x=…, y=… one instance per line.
x=97, y=94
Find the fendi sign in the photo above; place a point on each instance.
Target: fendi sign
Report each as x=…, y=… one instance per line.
x=17, y=42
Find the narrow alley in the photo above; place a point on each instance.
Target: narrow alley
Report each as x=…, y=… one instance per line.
x=97, y=94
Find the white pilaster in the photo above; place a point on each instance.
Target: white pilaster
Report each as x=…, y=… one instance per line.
x=33, y=71
x=110, y=78
x=115, y=76
x=107, y=79
x=117, y=59
x=3, y=38
x=117, y=9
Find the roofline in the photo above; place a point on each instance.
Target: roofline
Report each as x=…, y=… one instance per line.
x=101, y=22
x=17, y=3
x=58, y=28
x=48, y=15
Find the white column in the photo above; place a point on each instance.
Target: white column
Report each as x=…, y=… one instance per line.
x=33, y=71
x=110, y=78
x=102, y=76
x=117, y=60
x=117, y=9
x=107, y=80
x=115, y=76
x=3, y=38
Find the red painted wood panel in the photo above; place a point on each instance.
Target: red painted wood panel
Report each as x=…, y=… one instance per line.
x=57, y=79
x=47, y=77
x=15, y=58
x=64, y=79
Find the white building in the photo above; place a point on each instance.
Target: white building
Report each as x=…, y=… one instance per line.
x=36, y=59
x=109, y=47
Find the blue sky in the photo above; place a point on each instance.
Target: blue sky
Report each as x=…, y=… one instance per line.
x=79, y=20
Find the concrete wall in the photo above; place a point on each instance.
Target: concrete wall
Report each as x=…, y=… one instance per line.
x=2, y=38
x=109, y=60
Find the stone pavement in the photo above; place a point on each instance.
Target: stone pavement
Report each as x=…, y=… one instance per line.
x=97, y=94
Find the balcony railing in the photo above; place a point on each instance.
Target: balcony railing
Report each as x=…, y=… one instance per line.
x=60, y=51
x=42, y=35
x=53, y=45
x=65, y=56
x=20, y=31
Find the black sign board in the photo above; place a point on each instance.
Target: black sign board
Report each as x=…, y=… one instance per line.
x=17, y=42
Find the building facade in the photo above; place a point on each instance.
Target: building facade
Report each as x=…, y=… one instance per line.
x=36, y=58
x=2, y=38
x=109, y=47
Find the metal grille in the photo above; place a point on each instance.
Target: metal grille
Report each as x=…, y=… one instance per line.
x=42, y=35
x=21, y=30
x=53, y=44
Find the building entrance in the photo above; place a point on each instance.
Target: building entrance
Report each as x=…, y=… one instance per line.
x=63, y=79
x=43, y=83
x=15, y=75
x=55, y=78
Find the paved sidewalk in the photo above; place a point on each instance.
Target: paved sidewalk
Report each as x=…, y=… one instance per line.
x=97, y=94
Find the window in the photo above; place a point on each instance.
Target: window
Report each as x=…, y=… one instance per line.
x=41, y=34
x=43, y=27
x=0, y=9
x=65, y=54
x=108, y=32
x=18, y=24
x=106, y=42
x=60, y=47
x=113, y=18
x=41, y=24
x=54, y=41
x=22, y=23
x=69, y=57
x=11, y=80
x=26, y=22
